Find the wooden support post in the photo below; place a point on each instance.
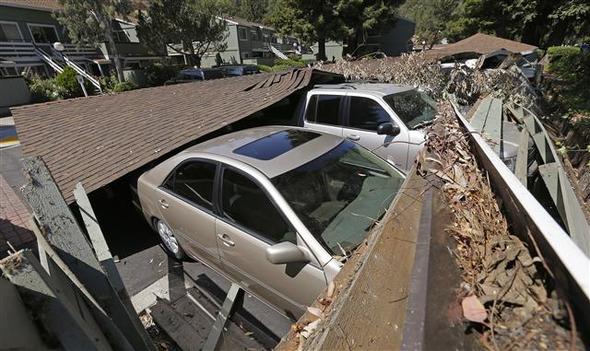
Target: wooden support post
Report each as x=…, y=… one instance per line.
x=235, y=294
x=62, y=232
x=53, y=303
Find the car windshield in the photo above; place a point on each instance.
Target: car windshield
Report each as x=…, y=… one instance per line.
x=340, y=195
x=415, y=108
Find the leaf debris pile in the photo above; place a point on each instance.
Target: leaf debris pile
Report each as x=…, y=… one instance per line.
x=423, y=71
x=469, y=85
x=514, y=307
x=408, y=69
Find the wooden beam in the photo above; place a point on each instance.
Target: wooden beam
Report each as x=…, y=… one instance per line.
x=522, y=157
x=234, y=296
x=53, y=304
x=567, y=204
x=99, y=243
x=481, y=114
x=17, y=330
x=62, y=232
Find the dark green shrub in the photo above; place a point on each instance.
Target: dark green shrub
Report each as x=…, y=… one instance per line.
x=264, y=68
x=68, y=82
x=120, y=87
x=290, y=62
x=157, y=73
x=568, y=62
x=43, y=90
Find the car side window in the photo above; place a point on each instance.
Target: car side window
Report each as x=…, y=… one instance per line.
x=247, y=205
x=193, y=181
x=310, y=113
x=366, y=114
x=326, y=109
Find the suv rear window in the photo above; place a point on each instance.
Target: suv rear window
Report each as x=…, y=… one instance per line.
x=324, y=109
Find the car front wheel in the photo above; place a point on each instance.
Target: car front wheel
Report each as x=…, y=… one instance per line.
x=169, y=241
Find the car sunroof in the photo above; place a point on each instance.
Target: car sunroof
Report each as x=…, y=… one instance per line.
x=275, y=144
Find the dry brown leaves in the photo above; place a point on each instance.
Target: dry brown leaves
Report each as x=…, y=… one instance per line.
x=496, y=266
x=413, y=69
x=469, y=85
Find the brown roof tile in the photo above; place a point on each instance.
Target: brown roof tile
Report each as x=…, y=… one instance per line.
x=98, y=139
x=481, y=44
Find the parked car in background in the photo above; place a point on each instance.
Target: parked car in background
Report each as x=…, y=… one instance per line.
x=387, y=119
x=274, y=209
x=239, y=70
x=191, y=74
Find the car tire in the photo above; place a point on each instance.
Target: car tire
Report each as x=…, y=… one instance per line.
x=168, y=240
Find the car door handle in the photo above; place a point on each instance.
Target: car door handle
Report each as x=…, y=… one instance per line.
x=163, y=203
x=353, y=137
x=226, y=240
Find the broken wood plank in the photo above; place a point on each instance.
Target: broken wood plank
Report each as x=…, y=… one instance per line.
x=234, y=297
x=61, y=230
x=17, y=330
x=99, y=243
x=66, y=320
x=493, y=125
x=567, y=204
x=58, y=269
x=478, y=120
x=522, y=157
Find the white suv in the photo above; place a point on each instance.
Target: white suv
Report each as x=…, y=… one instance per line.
x=385, y=118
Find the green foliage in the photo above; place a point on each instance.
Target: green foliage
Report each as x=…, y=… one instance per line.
x=191, y=23
x=43, y=90
x=252, y=10
x=566, y=61
x=68, y=83
x=343, y=20
x=90, y=22
x=537, y=22
x=123, y=86
x=264, y=68
x=431, y=17
x=289, y=63
x=157, y=73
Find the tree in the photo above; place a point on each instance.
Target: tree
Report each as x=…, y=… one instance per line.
x=90, y=22
x=310, y=20
x=189, y=27
x=431, y=18
x=252, y=10
x=359, y=17
x=536, y=22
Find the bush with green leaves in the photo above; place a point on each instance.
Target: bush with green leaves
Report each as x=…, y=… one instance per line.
x=43, y=90
x=157, y=74
x=289, y=63
x=264, y=68
x=568, y=62
x=120, y=87
x=68, y=82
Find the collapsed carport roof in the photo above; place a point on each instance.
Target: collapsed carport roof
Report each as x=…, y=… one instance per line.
x=99, y=139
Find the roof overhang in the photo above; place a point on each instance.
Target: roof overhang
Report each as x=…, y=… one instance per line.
x=99, y=139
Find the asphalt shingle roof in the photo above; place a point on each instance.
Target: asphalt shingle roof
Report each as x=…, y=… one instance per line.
x=481, y=44
x=98, y=139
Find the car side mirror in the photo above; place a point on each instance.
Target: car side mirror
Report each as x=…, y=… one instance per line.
x=285, y=252
x=388, y=128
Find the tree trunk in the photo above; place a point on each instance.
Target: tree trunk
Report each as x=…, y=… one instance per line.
x=321, y=49
x=114, y=52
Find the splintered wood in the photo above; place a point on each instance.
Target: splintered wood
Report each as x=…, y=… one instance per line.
x=506, y=292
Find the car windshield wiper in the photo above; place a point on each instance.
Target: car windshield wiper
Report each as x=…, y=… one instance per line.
x=422, y=124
